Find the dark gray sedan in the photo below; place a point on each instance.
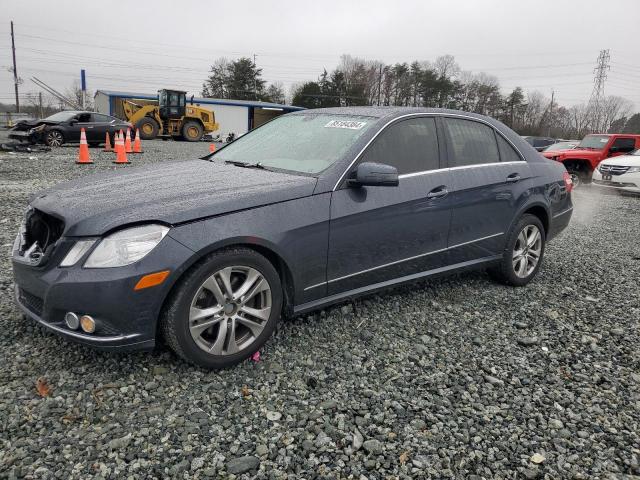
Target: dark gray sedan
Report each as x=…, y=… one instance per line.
x=313, y=208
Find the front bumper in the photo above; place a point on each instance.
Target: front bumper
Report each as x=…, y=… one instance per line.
x=627, y=182
x=126, y=319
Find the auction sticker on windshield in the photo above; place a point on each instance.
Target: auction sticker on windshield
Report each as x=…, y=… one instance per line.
x=345, y=124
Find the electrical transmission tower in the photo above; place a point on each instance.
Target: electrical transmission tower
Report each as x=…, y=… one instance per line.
x=596, y=102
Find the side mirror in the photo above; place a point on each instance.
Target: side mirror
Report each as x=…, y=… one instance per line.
x=73, y=121
x=374, y=174
x=614, y=149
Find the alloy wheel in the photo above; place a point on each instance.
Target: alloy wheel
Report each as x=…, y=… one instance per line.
x=527, y=251
x=230, y=310
x=54, y=139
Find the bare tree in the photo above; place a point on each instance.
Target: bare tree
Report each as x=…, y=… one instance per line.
x=612, y=109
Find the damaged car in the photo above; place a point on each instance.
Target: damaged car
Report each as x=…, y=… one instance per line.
x=310, y=209
x=64, y=127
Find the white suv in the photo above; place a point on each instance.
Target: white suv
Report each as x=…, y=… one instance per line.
x=621, y=173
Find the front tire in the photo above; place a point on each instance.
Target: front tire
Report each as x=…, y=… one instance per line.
x=522, y=256
x=148, y=128
x=192, y=131
x=54, y=138
x=224, y=309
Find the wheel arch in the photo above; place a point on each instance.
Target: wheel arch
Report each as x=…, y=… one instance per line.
x=538, y=209
x=264, y=248
x=569, y=162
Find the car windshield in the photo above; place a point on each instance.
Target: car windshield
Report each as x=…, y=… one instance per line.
x=560, y=146
x=596, y=142
x=306, y=143
x=635, y=153
x=61, y=116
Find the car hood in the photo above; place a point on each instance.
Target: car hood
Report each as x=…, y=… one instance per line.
x=623, y=160
x=581, y=153
x=172, y=193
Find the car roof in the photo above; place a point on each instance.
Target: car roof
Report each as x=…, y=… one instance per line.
x=389, y=113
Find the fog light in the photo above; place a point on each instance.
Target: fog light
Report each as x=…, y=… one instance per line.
x=72, y=320
x=88, y=324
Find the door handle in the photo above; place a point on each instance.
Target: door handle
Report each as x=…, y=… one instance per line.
x=438, y=192
x=513, y=178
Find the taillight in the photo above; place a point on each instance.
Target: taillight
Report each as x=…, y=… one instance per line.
x=567, y=181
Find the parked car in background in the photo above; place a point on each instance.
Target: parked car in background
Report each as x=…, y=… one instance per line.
x=581, y=161
x=560, y=146
x=326, y=205
x=64, y=127
x=539, y=143
x=620, y=173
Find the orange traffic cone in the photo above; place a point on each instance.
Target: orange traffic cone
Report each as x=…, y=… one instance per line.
x=137, y=145
x=127, y=142
x=212, y=147
x=107, y=143
x=121, y=155
x=83, y=154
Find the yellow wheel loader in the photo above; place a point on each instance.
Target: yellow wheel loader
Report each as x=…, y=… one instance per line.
x=172, y=117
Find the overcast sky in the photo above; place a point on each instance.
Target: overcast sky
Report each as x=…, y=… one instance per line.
x=123, y=45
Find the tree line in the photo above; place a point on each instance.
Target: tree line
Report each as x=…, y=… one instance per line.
x=441, y=83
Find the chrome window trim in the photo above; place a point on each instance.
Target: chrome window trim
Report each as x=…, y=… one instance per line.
x=406, y=260
x=426, y=172
x=429, y=114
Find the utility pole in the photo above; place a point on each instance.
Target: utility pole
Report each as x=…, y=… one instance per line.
x=255, y=75
x=15, y=69
x=597, y=95
x=550, y=113
x=379, y=83
x=40, y=104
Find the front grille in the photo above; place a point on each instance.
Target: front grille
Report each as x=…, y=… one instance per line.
x=613, y=169
x=30, y=301
x=39, y=233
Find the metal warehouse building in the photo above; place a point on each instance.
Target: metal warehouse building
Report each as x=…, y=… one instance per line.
x=233, y=116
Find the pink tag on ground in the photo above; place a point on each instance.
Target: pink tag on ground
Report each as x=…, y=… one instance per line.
x=256, y=357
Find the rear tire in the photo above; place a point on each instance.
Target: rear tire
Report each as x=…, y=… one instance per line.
x=148, y=128
x=521, y=259
x=224, y=309
x=192, y=131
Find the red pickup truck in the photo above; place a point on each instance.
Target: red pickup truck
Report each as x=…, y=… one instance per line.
x=583, y=160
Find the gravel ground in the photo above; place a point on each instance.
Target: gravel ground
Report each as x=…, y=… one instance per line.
x=451, y=378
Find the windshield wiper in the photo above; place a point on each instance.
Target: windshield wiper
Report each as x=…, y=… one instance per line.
x=245, y=164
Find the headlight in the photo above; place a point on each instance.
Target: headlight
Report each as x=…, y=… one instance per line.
x=77, y=252
x=126, y=246
x=633, y=170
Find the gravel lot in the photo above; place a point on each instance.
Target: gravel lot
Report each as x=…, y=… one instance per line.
x=453, y=378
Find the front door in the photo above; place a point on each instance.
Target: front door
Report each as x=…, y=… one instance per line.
x=84, y=121
x=381, y=233
x=487, y=178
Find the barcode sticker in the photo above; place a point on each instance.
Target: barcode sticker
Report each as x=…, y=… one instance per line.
x=345, y=124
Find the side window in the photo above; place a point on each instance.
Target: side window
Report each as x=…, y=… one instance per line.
x=472, y=143
x=97, y=117
x=507, y=152
x=410, y=146
x=624, y=144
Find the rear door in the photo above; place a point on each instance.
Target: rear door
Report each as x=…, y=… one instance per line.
x=381, y=233
x=487, y=177
x=101, y=125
